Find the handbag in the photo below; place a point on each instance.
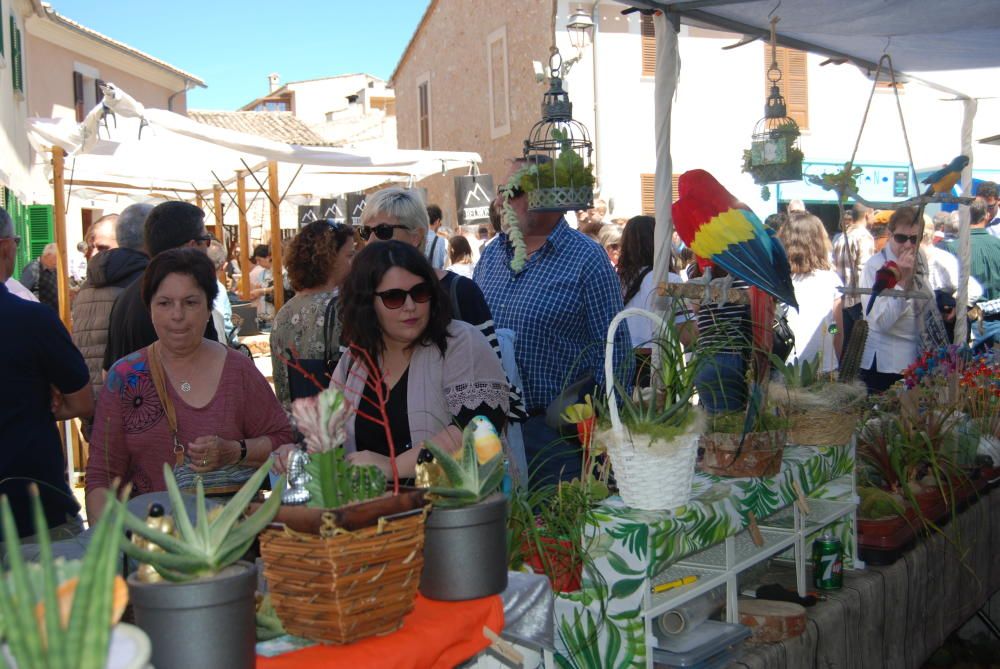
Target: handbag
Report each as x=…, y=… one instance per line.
x=784, y=338
x=226, y=480
x=321, y=369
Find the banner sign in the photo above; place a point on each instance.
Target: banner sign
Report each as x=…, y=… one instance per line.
x=473, y=196
x=355, y=205
x=307, y=214
x=335, y=208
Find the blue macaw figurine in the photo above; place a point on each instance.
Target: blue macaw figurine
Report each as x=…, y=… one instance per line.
x=945, y=178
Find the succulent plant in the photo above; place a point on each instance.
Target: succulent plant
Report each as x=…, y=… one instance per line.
x=214, y=541
x=475, y=474
x=335, y=481
x=36, y=633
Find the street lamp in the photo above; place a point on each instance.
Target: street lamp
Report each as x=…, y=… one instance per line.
x=580, y=28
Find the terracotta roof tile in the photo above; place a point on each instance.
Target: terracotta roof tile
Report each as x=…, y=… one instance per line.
x=278, y=126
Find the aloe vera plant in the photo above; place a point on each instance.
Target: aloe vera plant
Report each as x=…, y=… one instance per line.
x=467, y=480
x=83, y=641
x=212, y=542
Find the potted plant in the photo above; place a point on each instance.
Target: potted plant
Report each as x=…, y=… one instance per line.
x=346, y=565
x=202, y=579
x=465, y=553
x=63, y=614
x=652, y=439
x=821, y=411
x=733, y=451
x=774, y=155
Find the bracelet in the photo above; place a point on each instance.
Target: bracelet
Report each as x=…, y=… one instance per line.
x=243, y=451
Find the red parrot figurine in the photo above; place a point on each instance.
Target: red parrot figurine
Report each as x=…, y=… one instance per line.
x=886, y=278
x=721, y=229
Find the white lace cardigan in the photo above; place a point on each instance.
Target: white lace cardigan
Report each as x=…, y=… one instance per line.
x=438, y=387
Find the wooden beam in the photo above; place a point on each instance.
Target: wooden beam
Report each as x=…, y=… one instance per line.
x=217, y=203
x=244, y=234
x=272, y=187
x=114, y=184
x=59, y=222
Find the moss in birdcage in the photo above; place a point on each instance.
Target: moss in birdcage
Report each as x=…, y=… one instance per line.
x=567, y=170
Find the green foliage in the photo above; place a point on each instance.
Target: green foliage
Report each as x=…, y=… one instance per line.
x=732, y=422
x=800, y=373
x=335, y=481
x=84, y=642
x=211, y=544
x=877, y=503
x=467, y=481
x=566, y=171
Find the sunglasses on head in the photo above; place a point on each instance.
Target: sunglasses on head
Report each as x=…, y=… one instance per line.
x=902, y=239
x=382, y=231
x=394, y=298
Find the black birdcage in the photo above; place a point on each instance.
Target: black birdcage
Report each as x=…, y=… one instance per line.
x=561, y=149
x=774, y=155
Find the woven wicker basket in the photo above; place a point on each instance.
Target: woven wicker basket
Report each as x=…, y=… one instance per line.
x=342, y=586
x=651, y=474
x=819, y=427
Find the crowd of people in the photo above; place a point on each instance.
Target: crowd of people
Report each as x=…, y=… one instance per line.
x=420, y=331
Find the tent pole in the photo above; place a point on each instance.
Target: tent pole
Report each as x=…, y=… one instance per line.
x=217, y=202
x=244, y=234
x=276, y=263
x=59, y=222
x=969, y=108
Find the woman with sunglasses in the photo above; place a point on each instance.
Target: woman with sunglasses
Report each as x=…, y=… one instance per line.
x=306, y=328
x=399, y=214
x=437, y=373
x=897, y=325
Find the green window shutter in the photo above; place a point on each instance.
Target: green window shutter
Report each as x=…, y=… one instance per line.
x=1, y=39
x=40, y=228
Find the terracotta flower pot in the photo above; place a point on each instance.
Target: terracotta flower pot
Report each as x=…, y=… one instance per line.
x=566, y=566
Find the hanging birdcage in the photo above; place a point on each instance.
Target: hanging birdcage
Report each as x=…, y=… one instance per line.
x=774, y=155
x=561, y=150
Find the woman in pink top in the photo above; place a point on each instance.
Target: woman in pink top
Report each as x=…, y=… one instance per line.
x=227, y=417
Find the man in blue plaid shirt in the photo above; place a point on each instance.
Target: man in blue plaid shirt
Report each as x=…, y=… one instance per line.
x=559, y=306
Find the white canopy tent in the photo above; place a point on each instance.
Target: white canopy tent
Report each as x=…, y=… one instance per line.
x=123, y=148
x=921, y=36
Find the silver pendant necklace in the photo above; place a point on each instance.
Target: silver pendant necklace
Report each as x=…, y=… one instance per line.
x=185, y=387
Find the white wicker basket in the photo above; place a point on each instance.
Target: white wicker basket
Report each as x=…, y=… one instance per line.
x=652, y=476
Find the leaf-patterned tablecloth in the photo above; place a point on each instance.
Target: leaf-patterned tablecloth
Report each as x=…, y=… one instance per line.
x=601, y=625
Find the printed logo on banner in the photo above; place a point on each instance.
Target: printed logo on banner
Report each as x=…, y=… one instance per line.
x=307, y=214
x=333, y=208
x=355, y=205
x=473, y=197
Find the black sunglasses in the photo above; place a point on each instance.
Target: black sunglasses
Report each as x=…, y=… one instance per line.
x=902, y=239
x=204, y=239
x=394, y=298
x=382, y=231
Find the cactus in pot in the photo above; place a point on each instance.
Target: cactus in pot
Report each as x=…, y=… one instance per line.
x=204, y=581
x=59, y=614
x=465, y=540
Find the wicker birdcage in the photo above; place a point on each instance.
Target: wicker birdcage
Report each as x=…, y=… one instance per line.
x=561, y=149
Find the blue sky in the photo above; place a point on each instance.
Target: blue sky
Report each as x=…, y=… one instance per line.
x=232, y=46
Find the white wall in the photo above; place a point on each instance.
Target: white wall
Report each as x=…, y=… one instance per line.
x=15, y=153
x=721, y=96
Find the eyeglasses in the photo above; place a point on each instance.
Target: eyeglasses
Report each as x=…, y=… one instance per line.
x=902, y=239
x=204, y=239
x=383, y=231
x=394, y=298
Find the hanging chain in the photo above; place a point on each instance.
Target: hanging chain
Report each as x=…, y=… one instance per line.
x=774, y=72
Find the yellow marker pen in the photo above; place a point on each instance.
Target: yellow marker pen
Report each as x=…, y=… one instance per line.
x=670, y=585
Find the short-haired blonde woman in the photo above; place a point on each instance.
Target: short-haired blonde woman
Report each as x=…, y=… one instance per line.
x=818, y=322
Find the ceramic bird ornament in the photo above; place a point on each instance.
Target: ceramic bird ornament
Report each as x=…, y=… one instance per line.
x=945, y=178
x=886, y=278
x=485, y=439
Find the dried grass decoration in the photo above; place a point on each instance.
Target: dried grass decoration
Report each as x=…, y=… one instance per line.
x=821, y=411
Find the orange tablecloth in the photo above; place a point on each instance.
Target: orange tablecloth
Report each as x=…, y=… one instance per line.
x=435, y=635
